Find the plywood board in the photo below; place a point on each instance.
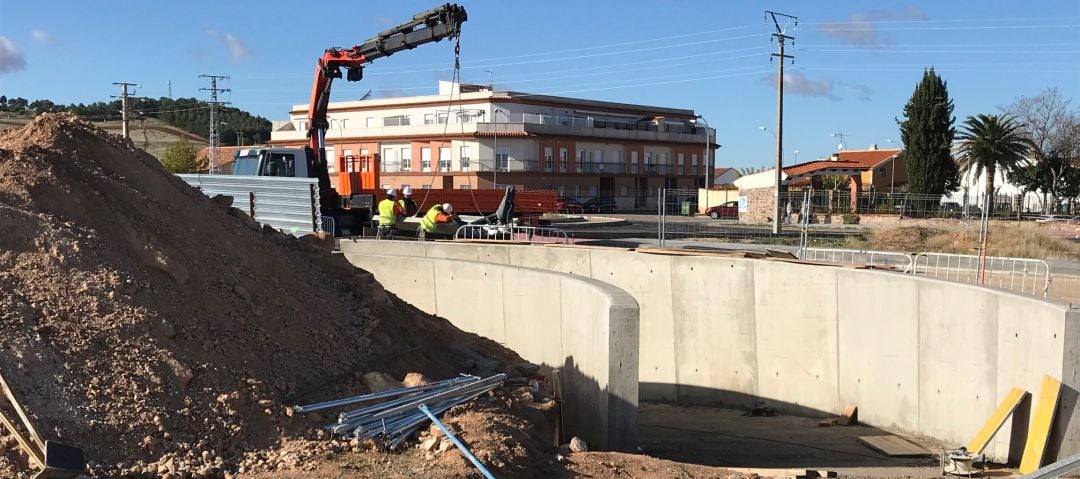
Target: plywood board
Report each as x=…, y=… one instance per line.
x=894, y=446
x=1042, y=417
x=996, y=420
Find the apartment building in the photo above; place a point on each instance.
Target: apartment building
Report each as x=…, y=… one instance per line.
x=469, y=136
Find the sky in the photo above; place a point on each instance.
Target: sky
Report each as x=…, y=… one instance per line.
x=855, y=65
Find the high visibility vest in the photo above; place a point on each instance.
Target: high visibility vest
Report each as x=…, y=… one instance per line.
x=428, y=223
x=386, y=213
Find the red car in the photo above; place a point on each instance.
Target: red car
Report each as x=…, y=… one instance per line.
x=566, y=204
x=726, y=210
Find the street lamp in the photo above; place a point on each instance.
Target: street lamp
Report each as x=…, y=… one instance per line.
x=705, y=157
x=892, y=176
x=796, y=156
x=762, y=128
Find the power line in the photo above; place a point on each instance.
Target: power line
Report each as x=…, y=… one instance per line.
x=781, y=39
x=124, y=105
x=214, y=90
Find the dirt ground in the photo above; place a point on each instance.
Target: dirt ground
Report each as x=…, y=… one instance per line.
x=725, y=437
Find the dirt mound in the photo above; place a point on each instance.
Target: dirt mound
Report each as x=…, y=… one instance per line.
x=161, y=332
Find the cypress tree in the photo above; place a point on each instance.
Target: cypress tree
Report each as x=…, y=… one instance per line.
x=927, y=132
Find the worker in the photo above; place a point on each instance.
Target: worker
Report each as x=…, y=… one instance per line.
x=407, y=203
x=389, y=210
x=443, y=213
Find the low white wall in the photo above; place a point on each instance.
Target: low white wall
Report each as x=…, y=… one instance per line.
x=918, y=356
x=587, y=328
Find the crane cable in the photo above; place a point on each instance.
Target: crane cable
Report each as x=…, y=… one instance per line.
x=456, y=79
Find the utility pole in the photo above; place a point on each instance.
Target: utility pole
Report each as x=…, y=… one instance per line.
x=124, y=105
x=781, y=38
x=214, y=90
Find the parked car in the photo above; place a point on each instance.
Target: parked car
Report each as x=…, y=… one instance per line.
x=726, y=210
x=599, y=205
x=566, y=204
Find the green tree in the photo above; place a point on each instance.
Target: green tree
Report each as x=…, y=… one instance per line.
x=180, y=158
x=927, y=132
x=990, y=143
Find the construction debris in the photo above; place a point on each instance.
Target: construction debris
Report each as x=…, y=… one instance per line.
x=391, y=422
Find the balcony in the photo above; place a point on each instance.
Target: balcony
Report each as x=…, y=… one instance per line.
x=534, y=124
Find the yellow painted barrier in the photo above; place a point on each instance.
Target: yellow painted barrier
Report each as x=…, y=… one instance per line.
x=1042, y=417
x=996, y=420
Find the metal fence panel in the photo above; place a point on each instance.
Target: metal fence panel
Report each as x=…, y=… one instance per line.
x=287, y=204
x=1029, y=276
x=512, y=233
x=890, y=259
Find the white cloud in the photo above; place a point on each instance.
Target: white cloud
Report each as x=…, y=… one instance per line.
x=238, y=50
x=41, y=36
x=11, y=59
x=859, y=29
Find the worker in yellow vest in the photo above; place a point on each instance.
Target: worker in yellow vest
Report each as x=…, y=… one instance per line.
x=407, y=203
x=437, y=214
x=389, y=210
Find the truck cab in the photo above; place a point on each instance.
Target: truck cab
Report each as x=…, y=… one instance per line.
x=281, y=162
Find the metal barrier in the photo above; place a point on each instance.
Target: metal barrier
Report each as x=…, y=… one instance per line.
x=1030, y=276
x=891, y=259
x=287, y=204
x=328, y=224
x=529, y=234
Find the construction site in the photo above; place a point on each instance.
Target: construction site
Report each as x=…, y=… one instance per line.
x=297, y=317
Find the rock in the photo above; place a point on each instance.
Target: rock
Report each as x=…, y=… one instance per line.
x=223, y=201
x=429, y=444
x=241, y=292
x=415, y=379
x=445, y=444
x=378, y=382
x=578, y=445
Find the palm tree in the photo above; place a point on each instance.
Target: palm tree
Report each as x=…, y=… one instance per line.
x=990, y=142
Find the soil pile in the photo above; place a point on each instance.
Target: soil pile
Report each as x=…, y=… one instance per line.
x=162, y=332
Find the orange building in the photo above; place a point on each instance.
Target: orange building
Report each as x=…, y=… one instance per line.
x=469, y=136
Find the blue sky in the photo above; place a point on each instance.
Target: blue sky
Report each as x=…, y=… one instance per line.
x=856, y=63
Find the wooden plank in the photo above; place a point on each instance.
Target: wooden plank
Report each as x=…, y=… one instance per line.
x=850, y=416
x=1042, y=417
x=894, y=446
x=784, y=473
x=22, y=414
x=996, y=420
x=35, y=454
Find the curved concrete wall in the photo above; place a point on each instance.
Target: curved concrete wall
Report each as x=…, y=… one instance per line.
x=918, y=356
x=587, y=328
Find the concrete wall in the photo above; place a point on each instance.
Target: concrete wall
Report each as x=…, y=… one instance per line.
x=587, y=328
x=918, y=356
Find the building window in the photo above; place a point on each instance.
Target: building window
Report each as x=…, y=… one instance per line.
x=502, y=158
x=464, y=186
x=592, y=190
x=564, y=160
x=426, y=187
x=441, y=116
x=364, y=156
x=429, y=118
x=464, y=160
x=444, y=157
x=425, y=159
x=633, y=162
x=404, y=185
x=390, y=162
x=369, y=122
x=385, y=186
x=682, y=159
x=406, y=159
x=693, y=159
x=303, y=125
x=549, y=161
x=580, y=158
x=398, y=120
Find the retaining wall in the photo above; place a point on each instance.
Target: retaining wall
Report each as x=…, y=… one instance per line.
x=587, y=328
x=917, y=356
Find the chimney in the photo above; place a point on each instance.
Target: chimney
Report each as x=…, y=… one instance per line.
x=873, y=146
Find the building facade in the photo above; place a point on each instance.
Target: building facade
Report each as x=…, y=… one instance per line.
x=469, y=137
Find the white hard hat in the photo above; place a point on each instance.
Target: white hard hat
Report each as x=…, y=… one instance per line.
x=407, y=191
x=447, y=208
x=390, y=192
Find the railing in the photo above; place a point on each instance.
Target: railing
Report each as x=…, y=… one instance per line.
x=1030, y=276
x=287, y=204
x=897, y=261
x=529, y=234
x=328, y=224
